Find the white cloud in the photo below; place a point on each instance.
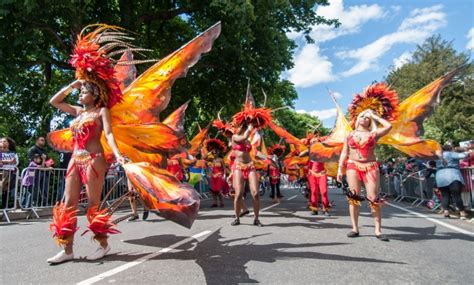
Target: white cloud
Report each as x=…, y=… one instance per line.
x=321, y=114
x=396, y=9
x=420, y=25
x=310, y=67
x=351, y=20
x=470, y=39
x=402, y=59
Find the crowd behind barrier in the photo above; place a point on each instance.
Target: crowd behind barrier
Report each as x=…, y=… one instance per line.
x=39, y=188
x=419, y=190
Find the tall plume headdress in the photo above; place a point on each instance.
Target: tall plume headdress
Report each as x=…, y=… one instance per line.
x=93, y=59
x=258, y=117
x=377, y=97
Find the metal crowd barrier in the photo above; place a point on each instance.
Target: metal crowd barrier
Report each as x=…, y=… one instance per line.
x=41, y=188
x=8, y=190
x=418, y=190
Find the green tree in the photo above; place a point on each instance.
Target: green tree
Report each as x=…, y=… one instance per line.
x=453, y=118
x=36, y=38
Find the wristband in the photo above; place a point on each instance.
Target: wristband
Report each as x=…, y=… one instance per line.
x=67, y=89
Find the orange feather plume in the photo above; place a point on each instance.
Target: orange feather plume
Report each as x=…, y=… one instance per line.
x=64, y=224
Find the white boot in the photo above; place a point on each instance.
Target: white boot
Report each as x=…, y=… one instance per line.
x=61, y=257
x=99, y=253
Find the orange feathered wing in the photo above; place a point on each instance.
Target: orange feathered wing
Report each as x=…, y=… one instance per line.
x=330, y=148
x=160, y=190
x=125, y=74
x=197, y=141
x=61, y=140
x=406, y=130
x=150, y=93
x=289, y=138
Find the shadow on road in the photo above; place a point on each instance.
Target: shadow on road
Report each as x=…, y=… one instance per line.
x=225, y=261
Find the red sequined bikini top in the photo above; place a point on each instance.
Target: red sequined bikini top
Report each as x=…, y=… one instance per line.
x=362, y=148
x=244, y=146
x=82, y=128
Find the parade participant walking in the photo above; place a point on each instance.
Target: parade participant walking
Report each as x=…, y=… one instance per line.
x=87, y=166
x=274, y=171
x=362, y=167
x=216, y=147
x=246, y=122
x=109, y=102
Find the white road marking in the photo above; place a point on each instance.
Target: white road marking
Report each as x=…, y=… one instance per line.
x=293, y=197
x=454, y=228
x=140, y=260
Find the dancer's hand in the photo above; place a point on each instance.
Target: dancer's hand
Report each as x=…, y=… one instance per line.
x=339, y=176
x=122, y=159
x=76, y=84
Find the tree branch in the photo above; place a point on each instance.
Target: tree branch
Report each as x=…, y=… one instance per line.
x=50, y=30
x=165, y=14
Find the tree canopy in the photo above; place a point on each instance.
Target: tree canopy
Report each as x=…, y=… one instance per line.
x=453, y=118
x=37, y=38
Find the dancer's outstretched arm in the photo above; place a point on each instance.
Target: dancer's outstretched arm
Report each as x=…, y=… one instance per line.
x=58, y=99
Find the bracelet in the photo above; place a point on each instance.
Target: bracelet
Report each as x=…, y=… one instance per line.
x=67, y=89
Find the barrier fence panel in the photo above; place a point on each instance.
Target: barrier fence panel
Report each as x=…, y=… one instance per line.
x=468, y=191
x=38, y=188
x=418, y=190
x=8, y=189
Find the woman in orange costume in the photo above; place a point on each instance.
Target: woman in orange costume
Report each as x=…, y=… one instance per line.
x=175, y=167
x=274, y=171
x=113, y=98
x=87, y=166
x=228, y=131
x=216, y=147
x=359, y=146
x=317, y=180
x=247, y=121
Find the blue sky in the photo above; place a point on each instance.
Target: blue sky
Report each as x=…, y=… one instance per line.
x=374, y=37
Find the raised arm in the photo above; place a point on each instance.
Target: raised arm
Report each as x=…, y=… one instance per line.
x=386, y=125
x=342, y=158
x=58, y=99
x=244, y=136
x=105, y=115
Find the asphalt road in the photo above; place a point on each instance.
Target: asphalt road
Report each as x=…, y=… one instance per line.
x=294, y=247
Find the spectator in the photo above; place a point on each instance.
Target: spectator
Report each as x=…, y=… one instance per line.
x=42, y=176
x=39, y=148
x=450, y=181
x=8, y=163
x=28, y=180
x=64, y=158
x=398, y=171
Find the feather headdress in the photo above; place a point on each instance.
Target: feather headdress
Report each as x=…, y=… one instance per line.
x=377, y=97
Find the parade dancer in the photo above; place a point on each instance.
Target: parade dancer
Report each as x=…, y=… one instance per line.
x=247, y=122
x=377, y=117
x=217, y=184
x=318, y=181
x=362, y=167
x=87, y=166
x=274, y=172
x=115, y=121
